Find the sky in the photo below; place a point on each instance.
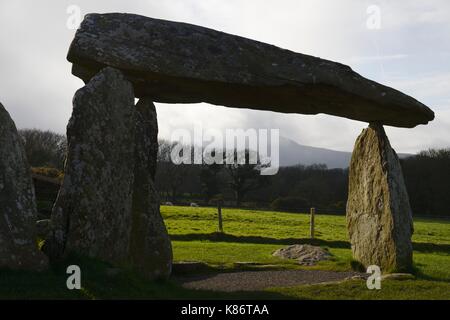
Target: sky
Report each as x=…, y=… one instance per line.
x=404, y=44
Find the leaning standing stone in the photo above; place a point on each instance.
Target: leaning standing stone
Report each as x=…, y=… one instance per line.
x=378, y=212
x=150, y=248
x=92, y=214
x=18, y=241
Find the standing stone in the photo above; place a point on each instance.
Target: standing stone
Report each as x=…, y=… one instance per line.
x=147, y=133
x=18, y=213
x=108, y=207
x=378, y=212
x=92, y=213
x=150, y=248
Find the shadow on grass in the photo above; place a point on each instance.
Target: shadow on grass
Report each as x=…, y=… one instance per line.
x=431, y=247
x=224, y=237
x=98, y=283
x=422, y=276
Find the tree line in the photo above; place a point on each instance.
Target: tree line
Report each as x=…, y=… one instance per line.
x=294, y=188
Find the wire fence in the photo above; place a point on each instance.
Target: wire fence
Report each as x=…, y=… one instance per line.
x=302, y=210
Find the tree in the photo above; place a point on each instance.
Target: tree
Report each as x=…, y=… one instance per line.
x=244, y=177
x=170, y=177
x=210, y=180
x=427, y=177
x=44, y=148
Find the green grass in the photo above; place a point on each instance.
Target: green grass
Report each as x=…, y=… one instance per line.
x=250, y=236
x=357, y=290
x=253, y=235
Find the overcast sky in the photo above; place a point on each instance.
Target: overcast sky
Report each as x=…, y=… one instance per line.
x=410, y=52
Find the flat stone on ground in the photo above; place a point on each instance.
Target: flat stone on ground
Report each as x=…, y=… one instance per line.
x=305, y=254
x=398, y=276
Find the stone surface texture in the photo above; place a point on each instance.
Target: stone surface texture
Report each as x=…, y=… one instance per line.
x=92, y=213
x=18, y=213
x=150, y=247
x=305, y=254
x=107, y=207
x=181, y=63
x=378, y=212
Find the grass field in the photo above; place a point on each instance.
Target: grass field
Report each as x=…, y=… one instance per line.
x=249, y=236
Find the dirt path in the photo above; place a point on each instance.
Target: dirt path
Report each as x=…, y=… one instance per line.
x=259, y=280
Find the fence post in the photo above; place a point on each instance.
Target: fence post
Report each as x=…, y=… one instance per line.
x=219, y=211
x=311, y=222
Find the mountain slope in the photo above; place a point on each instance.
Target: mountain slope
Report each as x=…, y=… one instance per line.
x=292, y=153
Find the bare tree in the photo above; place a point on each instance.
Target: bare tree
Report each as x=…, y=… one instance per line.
x=170, y=177
x=245, y=177
x=44, y=148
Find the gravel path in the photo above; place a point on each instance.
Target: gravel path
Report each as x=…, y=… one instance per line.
x=259, y=280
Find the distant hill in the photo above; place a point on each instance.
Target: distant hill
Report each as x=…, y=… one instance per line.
x=292, y=153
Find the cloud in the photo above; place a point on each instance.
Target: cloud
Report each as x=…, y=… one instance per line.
x=430, y=87
x=371, y=59
x=409, y=52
